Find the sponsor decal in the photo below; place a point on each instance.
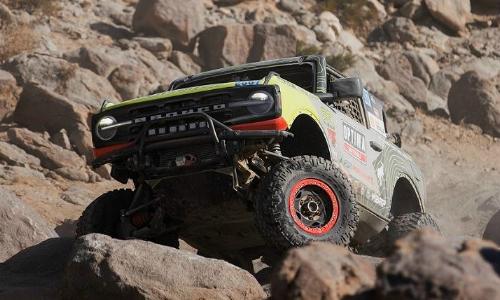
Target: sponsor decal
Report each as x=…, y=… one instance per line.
x=367, y=99
x=355, y=143
x=332, y=136
x=247, y=83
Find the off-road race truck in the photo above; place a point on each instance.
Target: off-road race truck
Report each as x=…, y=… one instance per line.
x=277, y=153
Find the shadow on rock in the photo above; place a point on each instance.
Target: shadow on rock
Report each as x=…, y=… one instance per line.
x=35, y=272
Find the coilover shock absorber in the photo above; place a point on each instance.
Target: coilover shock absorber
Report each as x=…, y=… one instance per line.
x=275, y=148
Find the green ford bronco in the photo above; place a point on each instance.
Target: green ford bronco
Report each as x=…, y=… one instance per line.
x=276, y=153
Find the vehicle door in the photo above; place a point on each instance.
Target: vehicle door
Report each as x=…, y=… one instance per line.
x=358, y=147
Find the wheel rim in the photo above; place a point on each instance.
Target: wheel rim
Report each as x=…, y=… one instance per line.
x=314, y=206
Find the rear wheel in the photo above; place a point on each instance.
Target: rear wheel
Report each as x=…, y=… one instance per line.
x=399, y=227
x=306, y=199
x=404, y=224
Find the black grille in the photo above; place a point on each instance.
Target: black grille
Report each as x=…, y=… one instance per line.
x=352, y=107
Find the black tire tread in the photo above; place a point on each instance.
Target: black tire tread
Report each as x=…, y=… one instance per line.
x=402, y=225
x=90, y=220
x=272, y=227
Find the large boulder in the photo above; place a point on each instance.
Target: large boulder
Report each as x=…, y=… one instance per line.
x=423, y=65
x=79, y=85
x=176, y=20
x=20, y=226
x=454, y=14
x=15, y=156
x=401, y=30
x=37, y=271
x=387, y=91
x=272, y=42
x=133, y=71
x=51, y=156
x=398, y=69
x=59, y=113
x=9, y=93
x=475, y=99
x=104, y=268
x=425, y=266
x=225, y=45
x=322, y=271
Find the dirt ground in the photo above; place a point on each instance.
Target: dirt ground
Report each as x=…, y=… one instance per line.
x=462, y=173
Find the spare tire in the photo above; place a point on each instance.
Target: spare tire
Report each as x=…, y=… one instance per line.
x=306, y=199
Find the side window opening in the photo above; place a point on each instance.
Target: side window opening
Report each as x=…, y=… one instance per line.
x=349, y=106
x=374, y=113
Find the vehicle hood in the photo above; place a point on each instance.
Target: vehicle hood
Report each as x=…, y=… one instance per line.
x=181, y=92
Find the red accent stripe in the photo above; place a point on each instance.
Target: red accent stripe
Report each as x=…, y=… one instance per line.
x=98, y=152
x=274, y=124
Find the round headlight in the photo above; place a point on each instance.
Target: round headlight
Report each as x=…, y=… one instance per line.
x=263, y=102
x=105, y=129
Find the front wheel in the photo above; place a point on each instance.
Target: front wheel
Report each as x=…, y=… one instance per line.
x=103, y=214
x=306, y=199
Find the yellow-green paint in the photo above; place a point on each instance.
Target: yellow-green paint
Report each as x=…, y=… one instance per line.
x=174, y=93
x=295, y=100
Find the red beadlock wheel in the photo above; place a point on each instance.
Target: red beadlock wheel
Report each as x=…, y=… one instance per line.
x=306, y=199
x=314, y=206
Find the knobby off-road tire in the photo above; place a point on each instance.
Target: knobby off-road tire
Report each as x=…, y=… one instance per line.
x=103, y=214
x=289, y=188
x=404, y=224
x=399, y=227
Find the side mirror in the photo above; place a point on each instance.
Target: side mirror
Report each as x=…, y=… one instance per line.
x=346, y=87
x=395, y=138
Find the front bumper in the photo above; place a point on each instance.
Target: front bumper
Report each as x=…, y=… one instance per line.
x=214, y=149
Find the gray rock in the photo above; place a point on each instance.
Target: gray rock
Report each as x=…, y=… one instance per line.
x=78, y=196
x=397, y=68
x=37, y=271
x=225, y=45
x=178, y=21
x=79, y=85
x=322, y=271
x=72, y=173
x=16, y=156
x=160, y=47
x=452, y=13
x=413, y=9
x=103, y=268
x=185, y=62
x=350, y=41
x=61, y=138
x=59, y=113
x=387, y=91
x=423, y=66
x=271, y=42
x=5, y=14
x=401, y=30
x=20, y=226
x=475, y=99
x=425, y=266
x=51, y=156
x=291, y=6
x=442, y=81
x=9, y=93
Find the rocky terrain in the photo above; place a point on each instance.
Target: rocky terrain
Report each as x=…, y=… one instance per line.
x=435, y=64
